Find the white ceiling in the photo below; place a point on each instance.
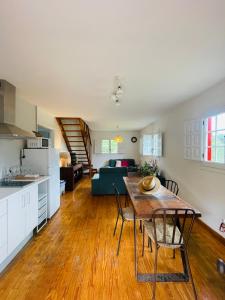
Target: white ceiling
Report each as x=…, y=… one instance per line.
x=64, y=55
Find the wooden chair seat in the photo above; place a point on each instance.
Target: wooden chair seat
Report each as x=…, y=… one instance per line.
x=128, y=213
x=160, y=231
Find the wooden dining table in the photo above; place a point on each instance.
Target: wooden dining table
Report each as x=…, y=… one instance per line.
x=144, y=206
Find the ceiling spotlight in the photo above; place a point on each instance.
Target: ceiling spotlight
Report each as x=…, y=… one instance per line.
x=118, y=91
x=117, y=102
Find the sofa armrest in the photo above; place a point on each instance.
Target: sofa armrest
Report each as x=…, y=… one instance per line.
x=95, y=185
x=95, y=177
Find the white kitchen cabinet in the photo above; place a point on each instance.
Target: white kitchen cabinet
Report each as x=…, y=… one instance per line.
x=18, y=217
x=22, y=216
x=31, y=208
x=16, y=220
x=3, y=230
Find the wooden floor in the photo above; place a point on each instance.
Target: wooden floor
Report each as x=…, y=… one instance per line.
x=74, y=257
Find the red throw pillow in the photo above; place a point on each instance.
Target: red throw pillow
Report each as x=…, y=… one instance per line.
x=124, y=163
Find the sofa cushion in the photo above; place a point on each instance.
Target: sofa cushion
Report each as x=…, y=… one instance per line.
x=131, y=162
x=95, y=176
x=124, y=163
x=118, y=163
x=112, y=163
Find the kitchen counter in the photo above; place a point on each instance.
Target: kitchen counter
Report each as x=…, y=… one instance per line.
x=8, y=191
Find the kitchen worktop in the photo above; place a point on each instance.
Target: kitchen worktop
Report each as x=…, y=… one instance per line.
x=8, y=191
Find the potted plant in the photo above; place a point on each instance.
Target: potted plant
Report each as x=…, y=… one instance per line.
x=149, y=169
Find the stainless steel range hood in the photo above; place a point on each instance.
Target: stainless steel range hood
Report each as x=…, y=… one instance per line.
x=8, y=129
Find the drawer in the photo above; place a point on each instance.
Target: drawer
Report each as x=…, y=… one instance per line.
x=42, y=218
x=3, y=207
x=42, y=210
x=42, y=202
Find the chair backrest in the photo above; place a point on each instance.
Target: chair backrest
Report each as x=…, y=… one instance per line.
x=118, y=200
x=172, y=186
x=173, y=224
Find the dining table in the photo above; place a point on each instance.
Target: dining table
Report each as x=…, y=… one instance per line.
x=144, y=206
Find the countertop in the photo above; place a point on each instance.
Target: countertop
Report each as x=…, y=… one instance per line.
x=8, y=191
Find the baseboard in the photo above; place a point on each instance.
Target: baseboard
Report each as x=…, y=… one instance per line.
x=213, y=232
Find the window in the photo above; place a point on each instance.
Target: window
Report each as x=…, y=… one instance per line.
x=109, y=146
x=204, y=140
x=105, y=146
x=147, y=145
x=152, y=144
x=214, y=150
x=114, y=146
x=157, y=144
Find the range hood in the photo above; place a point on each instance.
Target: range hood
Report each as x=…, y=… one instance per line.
x=8, y=129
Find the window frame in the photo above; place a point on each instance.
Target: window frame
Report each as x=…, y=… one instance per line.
x=147, y=149
x=155, y=144
x=110, y=147
x=208, y=131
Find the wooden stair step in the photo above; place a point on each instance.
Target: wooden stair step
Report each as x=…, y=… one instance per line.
x=72, y=130
x=77, y=141
x=70, y=124
x=76, y=135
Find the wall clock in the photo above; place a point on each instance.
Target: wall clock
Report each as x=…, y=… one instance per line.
x=133, y=139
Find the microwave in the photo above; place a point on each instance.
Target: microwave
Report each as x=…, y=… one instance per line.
x=38, y=142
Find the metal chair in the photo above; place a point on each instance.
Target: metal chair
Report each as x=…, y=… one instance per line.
x=126, y=214
x=166, y=230
x=172, y=186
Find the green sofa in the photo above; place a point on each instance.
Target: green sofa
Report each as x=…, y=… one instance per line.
x=102, y=182
x=132, y=167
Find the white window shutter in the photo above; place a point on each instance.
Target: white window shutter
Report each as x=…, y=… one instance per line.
x=187, y=153
x=157, y=145
x=193, y=139
x=141, y=146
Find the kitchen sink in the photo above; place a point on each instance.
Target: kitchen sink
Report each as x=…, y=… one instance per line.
x=14, y=183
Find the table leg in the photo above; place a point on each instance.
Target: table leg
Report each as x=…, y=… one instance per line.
x=135, y=248
x=182, y=254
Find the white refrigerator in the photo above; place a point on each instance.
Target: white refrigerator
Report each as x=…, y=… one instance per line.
x=46, y=162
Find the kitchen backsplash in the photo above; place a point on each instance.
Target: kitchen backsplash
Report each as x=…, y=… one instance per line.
x=9, y=153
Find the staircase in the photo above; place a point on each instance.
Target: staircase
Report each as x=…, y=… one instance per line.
x=76, y=135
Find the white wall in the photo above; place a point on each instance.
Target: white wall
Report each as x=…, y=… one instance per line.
x=131, y=150
x=202, y=186
x=47, y=120
x=25, y=115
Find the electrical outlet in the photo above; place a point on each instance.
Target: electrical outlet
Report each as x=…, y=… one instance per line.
x=220, y=266
x=222, y=225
